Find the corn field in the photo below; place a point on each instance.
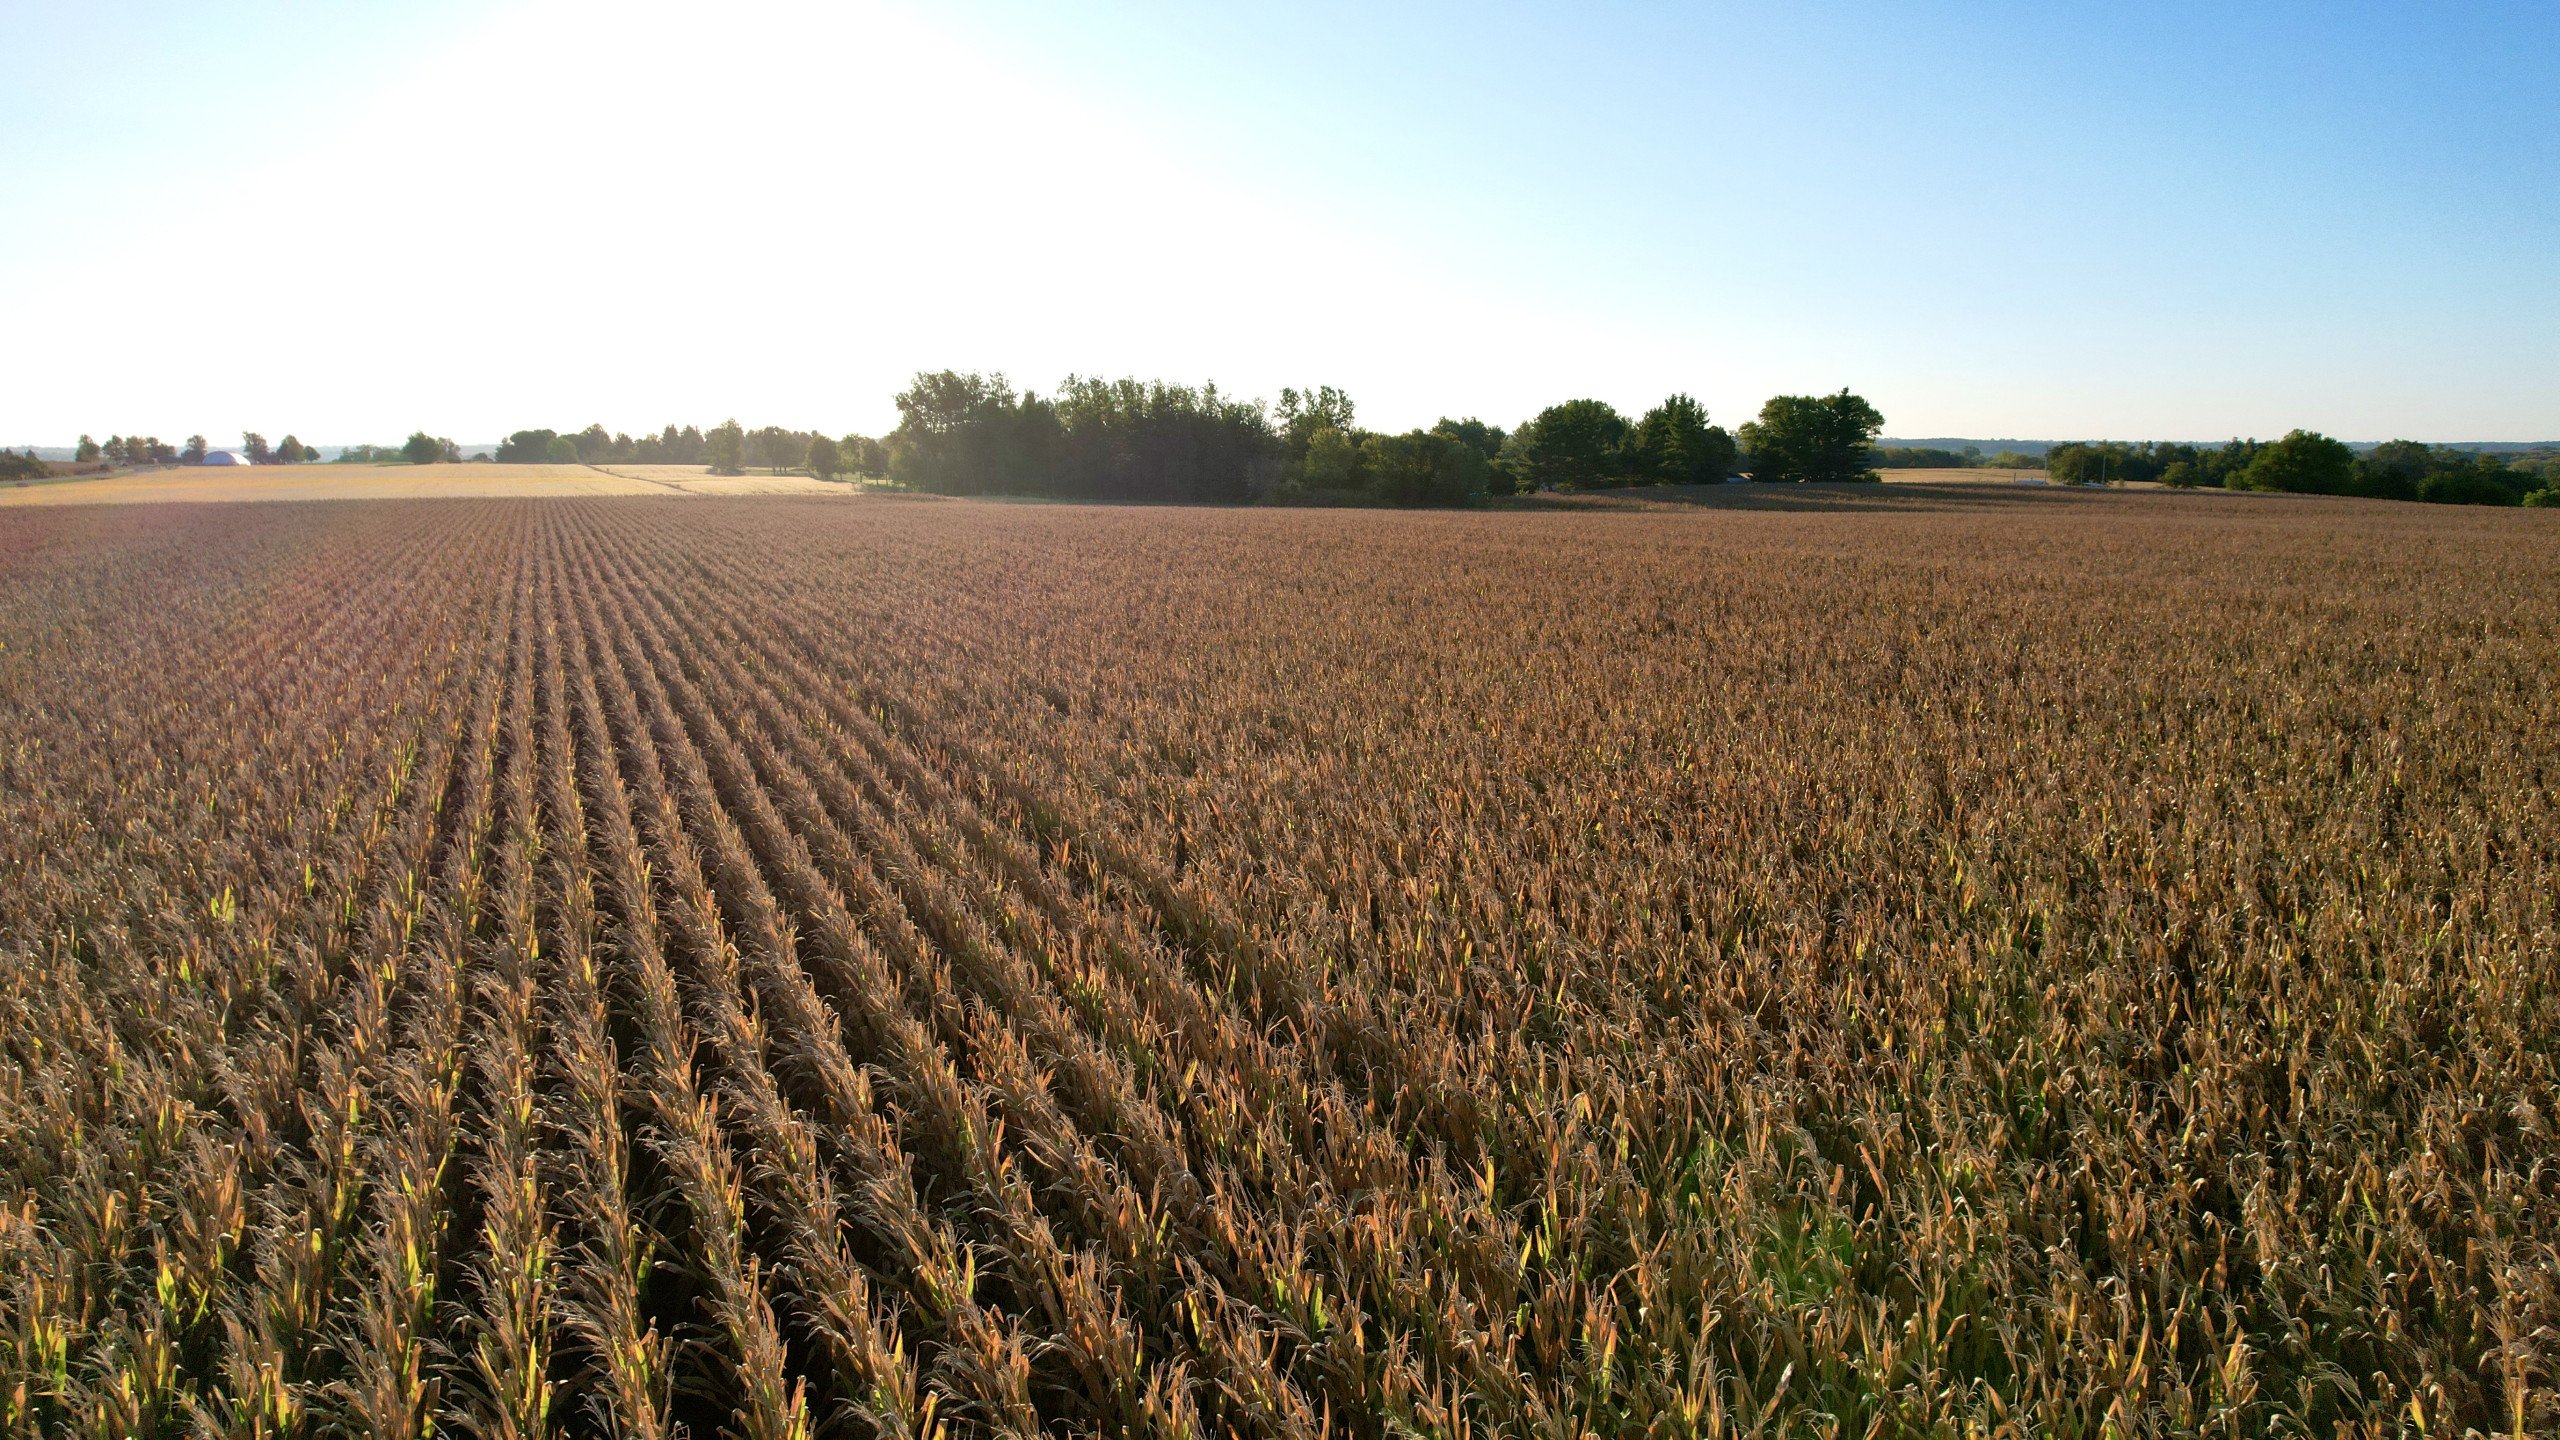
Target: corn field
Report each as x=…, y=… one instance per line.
x=2052, y=966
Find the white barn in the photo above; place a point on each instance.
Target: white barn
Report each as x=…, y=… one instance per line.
x=221, y=457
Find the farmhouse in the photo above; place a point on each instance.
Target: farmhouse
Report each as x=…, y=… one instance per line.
x=221, y=457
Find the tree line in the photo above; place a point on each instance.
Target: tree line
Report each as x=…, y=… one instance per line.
x=727, y=448
x=121, y=451
x=420, y=448
x=124, y=450
x=1932, y=457
x=2306, y=462
x=968, y=433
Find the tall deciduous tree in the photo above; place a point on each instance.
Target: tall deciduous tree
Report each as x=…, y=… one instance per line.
x=254, y=446
x=1333, y=460
x=1485, y=440
x=526, y=447
x=862, y=455
x=194, y=453
x=824, y=459
x=88, y=452
x=1675, y=445
x=2394, y=469
x=1424, y=467
x=1812, y=438
x=780, y=449
x=726, y=448
x=1301, y=413
x=1575, y=445
x=422, y=448
x=2304, y=461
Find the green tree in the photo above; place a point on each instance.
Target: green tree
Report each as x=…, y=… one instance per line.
x=2394, y=469
x=2474, y=480
x=2085, y=462
x=1301, y=413
x=725, y=447
x=1674, y=445
x=1333, y=460
x=88, y=452
x=1485, y=440
x=1575, y=445
x=194, y=453
x=1923, y=457
x=952, y=427
x=422, y=449
x=1424, y=467
x=563, y=450
x=2304, y=462
x=862, y=455
x=778, y=448
x=1812, y=438
x=526, y=447
x=253, y=446
x=825, y=460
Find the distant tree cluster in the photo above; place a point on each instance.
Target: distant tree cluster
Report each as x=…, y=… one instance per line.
x=1323, y=455
x=1923, y=457
x=1813, y=438
x=2102, y=462
x=121, y=451
x=727, y=449
x=1930, y=457
x=255, y=449
x=15, y=466
x=1586, y=444
x=2306, y=462
x=968, y=433
x=420, y=448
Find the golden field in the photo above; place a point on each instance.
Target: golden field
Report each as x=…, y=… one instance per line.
x=1952, y=961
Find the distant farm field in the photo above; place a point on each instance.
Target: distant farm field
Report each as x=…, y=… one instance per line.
x=1964, y=961
x=400, y=482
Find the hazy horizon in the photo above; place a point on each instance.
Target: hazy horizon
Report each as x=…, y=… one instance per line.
x=1989, y=220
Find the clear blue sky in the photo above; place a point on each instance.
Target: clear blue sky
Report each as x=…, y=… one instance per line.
x=2038, y=220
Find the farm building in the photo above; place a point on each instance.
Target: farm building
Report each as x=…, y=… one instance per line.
x=221, y=457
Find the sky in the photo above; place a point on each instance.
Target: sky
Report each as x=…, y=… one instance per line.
x=2034, y=220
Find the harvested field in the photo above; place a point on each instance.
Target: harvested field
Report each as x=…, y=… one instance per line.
x=2028, y=965
x=401, y=482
